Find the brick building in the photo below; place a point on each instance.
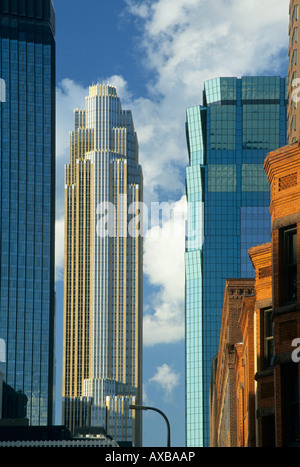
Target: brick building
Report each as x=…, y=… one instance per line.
x=255, y=388
x=244, y=371
x=263, y=375
x=293, y=112
x=283, y=170
x=223, y=403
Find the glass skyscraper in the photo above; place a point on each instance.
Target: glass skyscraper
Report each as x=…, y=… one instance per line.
x=102, y=368
x=27, y=207
x=228, y=138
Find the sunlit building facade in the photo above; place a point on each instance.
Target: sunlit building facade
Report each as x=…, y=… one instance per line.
x=102, y=366
x=294, y=73
x=228, y=193
x=27, y=213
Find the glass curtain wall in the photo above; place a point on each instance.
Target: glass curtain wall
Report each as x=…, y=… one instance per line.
x=27, y=208
x=228, y=138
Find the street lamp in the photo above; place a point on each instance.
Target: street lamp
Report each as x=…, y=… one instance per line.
x=143, y=407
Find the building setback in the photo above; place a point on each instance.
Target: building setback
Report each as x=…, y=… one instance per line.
x=228, y=138
x=27, y=215
x=102, y=364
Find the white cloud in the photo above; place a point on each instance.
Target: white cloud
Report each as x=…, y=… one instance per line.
x=184, y=43
x=164, y=266
x=233, y=36
x=166, y=378
x=146, y=399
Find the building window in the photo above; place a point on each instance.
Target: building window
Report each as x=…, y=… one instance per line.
x=295, y=57
x=295, y=13
x=295, y=35
x=268, y=338
x=289, y=259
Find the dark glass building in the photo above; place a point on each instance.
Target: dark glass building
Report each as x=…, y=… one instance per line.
x=228, y=193
x=27, y=203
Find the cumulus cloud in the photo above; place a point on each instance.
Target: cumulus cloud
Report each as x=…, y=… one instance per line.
x=184, y=43
x=164, y=247
x=166, y=378
x=227, y=36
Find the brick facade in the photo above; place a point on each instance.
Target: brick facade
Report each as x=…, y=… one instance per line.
x=245, y=386
x=283, y=171
x=293, y=130
x=223, y=407
x=261, y=257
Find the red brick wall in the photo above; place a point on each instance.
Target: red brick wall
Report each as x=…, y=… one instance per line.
x=283, y=170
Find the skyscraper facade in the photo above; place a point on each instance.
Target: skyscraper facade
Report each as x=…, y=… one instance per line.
x=228, y=195
x=102, y=368
x=27, y=213
x=294, y=73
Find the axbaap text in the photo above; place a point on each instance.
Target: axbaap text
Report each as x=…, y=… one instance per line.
x=171, y=457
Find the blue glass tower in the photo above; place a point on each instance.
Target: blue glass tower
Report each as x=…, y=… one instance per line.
x=27, y=205
x=228, y=138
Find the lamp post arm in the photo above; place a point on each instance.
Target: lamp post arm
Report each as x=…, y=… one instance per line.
x=143, y=407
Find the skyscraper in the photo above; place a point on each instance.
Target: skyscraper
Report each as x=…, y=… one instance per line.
x=102, y=368
x=27, y=213
x=228, y=137
x=294, y=74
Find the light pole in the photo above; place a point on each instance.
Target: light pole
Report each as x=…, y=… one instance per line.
x=143, y=407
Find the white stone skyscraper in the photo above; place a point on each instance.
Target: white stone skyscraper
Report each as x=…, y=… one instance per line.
x=102, y=373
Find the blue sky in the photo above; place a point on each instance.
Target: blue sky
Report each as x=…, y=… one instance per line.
x=158, y=53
